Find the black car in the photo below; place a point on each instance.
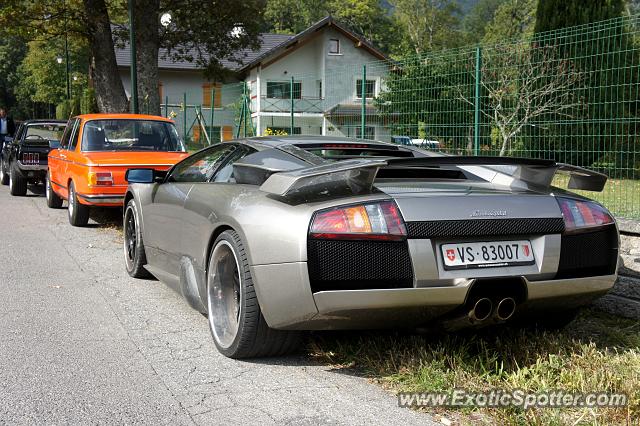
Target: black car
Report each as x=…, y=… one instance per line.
x=24, y=159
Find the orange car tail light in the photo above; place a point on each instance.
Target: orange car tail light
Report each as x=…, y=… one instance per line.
x=100, y=179
x=371, y=221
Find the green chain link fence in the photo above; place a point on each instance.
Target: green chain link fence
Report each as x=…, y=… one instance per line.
x=570, y=95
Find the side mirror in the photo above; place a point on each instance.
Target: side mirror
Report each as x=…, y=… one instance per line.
x=54, y=144
x=140, y=176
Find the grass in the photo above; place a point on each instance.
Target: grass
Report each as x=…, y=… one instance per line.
x=620, y=196
x=596, y=352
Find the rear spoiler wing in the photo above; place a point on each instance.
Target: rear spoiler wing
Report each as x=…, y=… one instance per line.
x=359, y=175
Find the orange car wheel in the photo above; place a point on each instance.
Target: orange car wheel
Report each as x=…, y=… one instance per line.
x=78, y=213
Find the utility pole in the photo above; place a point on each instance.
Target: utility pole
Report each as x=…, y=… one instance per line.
x=134, y=68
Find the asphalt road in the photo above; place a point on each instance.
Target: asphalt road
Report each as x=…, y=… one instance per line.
x=82, y=342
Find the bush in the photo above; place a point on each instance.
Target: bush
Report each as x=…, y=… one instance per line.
x=88, y=103
x=68, y=108
x=62, y=110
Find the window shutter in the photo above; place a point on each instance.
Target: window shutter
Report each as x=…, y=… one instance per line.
x=227, y=133
x=206, y=95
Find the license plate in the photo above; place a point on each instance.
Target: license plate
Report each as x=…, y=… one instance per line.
x=490, y=254
x=30, y=158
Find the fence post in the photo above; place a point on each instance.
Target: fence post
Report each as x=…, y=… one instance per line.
x=292, y=105
x=184, y=115
x=247, y=114
x=363, y=111
x=476, y=120
x=166, y=106
x=213, y=98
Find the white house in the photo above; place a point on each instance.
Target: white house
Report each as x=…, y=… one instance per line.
x=323, y=65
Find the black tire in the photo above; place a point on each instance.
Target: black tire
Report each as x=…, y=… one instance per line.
x=134, y=254
x=252, y=337
x=4, y=174
x=53, y=200
x=17, y=182
x=78, y=213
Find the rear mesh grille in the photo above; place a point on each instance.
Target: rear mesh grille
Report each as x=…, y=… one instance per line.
x=589, y=254
x=484, y=227
x=357, y=265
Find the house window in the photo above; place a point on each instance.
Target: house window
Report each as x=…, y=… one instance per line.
x=369, y=89
x=369, y=132
x=215, y=133
x=334, y=46
x=319, y=85
x=282, y=89
x=206, y=95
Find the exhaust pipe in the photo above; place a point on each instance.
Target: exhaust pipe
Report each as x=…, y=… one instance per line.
x=505, y=309
x=481, y=310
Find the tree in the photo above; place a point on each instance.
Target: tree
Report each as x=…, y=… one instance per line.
x=513, y=20
x=85, y=19
x=12, y=52
x=553, y=15
x=430, y=24
x=475, y=22
x=191, y=37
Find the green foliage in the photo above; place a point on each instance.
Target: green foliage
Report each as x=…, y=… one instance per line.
x=429, y=25
x=553, y=15
x=475, y=22
x=513, y=20
x=88, y=104
x=12, y=51
x=68, y=108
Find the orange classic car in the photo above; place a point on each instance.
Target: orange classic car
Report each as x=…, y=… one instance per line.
x=88, y=168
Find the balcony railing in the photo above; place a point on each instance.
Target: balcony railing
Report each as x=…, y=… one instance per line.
x=303, y=104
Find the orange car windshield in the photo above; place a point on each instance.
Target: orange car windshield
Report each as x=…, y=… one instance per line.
x=131, y=135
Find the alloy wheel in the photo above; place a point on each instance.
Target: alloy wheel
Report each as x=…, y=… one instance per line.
x=224, y=296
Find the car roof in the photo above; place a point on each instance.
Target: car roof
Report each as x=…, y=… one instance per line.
x=43, y=120
x=121, y=116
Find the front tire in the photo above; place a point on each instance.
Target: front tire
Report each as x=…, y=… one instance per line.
x=4, y=176
x=134, y=254
x=17, y=182
x=53, y=200
x=237, y=325
x=78, y=213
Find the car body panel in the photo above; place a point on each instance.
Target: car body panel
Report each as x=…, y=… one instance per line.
x=20, y=151
x=180, y=222
x=74, y=164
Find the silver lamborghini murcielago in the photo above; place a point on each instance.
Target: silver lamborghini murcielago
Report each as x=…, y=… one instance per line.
x=274, y=235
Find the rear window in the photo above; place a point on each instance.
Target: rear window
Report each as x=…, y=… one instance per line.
x=45, y=131
x=346, y=153
x=130, y=135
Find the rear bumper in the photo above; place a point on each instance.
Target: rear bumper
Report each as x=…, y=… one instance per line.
x=104, y=200
x=32, y=167
x=287, y=301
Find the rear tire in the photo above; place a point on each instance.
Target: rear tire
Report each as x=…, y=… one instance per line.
x=134, y=254
x=237, y=325
x=78, y=213
x=17, y=182
x=4, y=175
x=53, y=200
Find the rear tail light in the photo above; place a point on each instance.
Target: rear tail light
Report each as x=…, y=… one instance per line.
x=100, y=179
x=374, y=221
x=580, y=214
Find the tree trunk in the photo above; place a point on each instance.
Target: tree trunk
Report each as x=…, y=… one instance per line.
x=104, y=73
x=147, y=45
x=505, y=144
